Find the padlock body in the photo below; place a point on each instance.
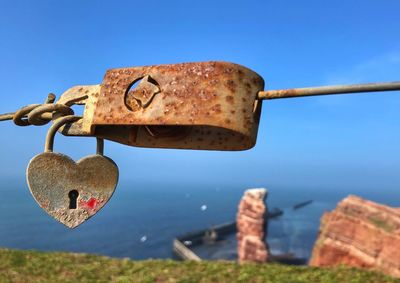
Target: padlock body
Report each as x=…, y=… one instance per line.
x=204, y=105
x=70, y=191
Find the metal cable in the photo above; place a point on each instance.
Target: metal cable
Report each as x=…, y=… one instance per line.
x=325, y=90
x=38, y=114
x=6, y=116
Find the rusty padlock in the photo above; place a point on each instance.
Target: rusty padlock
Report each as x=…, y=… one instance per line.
x=69, y=191
x=205, y=105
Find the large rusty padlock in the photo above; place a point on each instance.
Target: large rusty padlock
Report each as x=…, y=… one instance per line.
x=206, y=105
x=70, y=191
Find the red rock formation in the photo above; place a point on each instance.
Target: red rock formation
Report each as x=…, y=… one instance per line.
x=251, y=227
x=360, y=233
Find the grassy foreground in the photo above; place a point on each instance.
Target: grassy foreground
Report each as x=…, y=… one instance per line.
x=31, y=266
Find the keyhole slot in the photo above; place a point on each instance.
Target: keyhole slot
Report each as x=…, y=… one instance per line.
x=73, y=199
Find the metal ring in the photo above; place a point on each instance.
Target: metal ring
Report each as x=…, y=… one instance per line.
x=19, y=119
x=35, y=117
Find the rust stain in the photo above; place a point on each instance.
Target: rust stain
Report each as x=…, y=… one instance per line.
x=286, y=92
x=229, y=99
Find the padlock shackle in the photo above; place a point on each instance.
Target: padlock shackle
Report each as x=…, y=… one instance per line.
x=326, y=90
x=99, y=146
x=58, y=123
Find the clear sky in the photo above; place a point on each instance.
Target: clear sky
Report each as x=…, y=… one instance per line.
x=348, y=141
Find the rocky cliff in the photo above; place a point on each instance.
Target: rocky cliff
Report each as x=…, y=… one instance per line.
x=360, y=233
x=251, y=227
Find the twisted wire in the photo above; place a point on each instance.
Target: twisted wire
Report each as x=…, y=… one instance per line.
x=38, y=114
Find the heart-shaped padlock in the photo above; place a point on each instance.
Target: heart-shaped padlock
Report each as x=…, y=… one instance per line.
x=70, y=191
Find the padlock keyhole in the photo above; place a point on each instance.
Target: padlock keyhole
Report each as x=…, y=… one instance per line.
x=73, y=198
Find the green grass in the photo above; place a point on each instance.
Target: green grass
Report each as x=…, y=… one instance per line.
x=381, y=224
x=31, y=266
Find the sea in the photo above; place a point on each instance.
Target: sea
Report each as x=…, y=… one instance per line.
x=142, y=219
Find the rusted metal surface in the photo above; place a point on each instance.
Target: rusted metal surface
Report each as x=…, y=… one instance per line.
x=70, y=191
x=206, y=105
x=326, y=90
x=81, y=95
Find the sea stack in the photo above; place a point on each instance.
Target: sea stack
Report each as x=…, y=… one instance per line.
x=360, y=233
x=251, y=227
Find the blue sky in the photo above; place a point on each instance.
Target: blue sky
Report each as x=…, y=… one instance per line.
x=335, y=142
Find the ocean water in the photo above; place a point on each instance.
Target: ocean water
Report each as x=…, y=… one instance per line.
x=141, y=220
